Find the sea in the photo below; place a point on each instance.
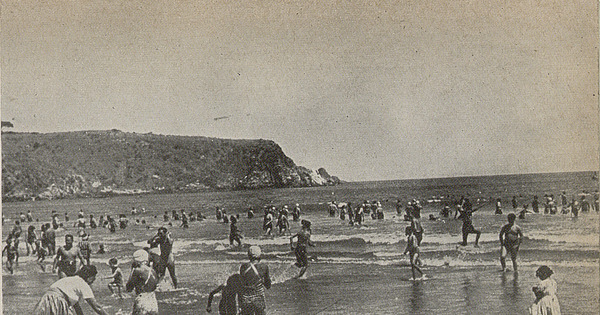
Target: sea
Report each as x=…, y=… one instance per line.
x=352, y=269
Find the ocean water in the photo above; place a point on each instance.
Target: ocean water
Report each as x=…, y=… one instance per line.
x=353, y=269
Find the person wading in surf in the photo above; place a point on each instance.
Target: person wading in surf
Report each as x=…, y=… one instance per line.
x=301, y=245
x=255, y=279
x=467, y=227
x=510, y=239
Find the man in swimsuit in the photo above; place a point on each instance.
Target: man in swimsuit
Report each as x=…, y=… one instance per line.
x=300, y=249
x=467, y=227
x=255, y=279
x=164, y=241
x=66, y=258
x=510, y=239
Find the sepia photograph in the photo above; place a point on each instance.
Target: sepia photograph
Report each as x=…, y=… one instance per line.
x=300, y=157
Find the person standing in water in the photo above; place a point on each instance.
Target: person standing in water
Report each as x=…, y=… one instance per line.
x=510, y=240
x=163, y=240
x=300, y=250
x=234, y=232
x=143, y=281
x=498, y=206
x=65, y=261
x=66, y=294
x=11, y=253
x=412, y=247
x=467, y=226
x=255, y=279
x=230, y=293
x=546, y=302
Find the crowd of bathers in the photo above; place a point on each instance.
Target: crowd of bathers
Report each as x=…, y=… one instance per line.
x=158, y=258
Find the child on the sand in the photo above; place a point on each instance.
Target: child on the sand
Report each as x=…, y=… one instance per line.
x=412, y=247
x=117, y=276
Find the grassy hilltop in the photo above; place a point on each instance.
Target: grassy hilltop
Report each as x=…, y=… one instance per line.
x=98, y=163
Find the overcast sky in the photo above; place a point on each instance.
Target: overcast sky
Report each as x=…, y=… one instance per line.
x=369, y=90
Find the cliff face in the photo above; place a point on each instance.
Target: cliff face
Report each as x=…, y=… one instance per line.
x=97, y=163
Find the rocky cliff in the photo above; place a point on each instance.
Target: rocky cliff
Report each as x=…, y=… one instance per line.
x=99, y=163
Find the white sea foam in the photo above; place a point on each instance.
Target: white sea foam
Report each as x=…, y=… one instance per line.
x=581, y=239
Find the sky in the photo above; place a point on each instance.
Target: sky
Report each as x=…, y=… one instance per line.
x=370, y=90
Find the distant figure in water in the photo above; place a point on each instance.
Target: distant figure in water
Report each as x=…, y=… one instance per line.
x=296, y=212
x=234, y=232
x=231, y=290
x=412, y=248
x=546, y=302
x=255, y=279
x=467, y=226
x=498, y=206
x=510, y=240
x=535, y=204
x=300, y=250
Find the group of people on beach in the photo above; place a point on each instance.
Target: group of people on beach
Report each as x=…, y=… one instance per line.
x=246, y=288
x=149, y=266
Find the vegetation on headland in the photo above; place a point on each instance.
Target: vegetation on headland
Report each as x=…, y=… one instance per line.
x=103, y=163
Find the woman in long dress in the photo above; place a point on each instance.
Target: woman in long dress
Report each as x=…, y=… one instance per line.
x=546, y=302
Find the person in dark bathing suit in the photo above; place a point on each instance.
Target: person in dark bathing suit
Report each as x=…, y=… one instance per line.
x=467, y=227
x=510, y=239
x=164, y=241
x=301, y=245
x=234, y=232
x=230, y=292
x=65, y=261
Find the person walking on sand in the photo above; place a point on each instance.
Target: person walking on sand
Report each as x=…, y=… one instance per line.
x=300, y=250
x=143, y=281
x=66, y=294
x=510, y=240
x=467, y=226
x=164, y=241
x=230, y=293
x=546, y=302
x=255, y=279
x=412, y=248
